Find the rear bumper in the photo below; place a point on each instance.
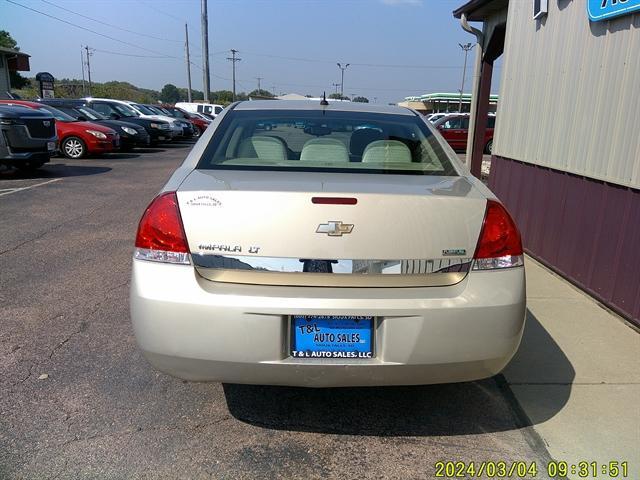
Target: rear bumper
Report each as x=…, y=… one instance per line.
x=200, y=330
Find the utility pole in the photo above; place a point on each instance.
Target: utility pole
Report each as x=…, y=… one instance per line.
x=342, y=69
x=88, y=65
x=233, y=60
x=186, y=37
x=466, y=47
x=259, y=78
x=205, y=50
x=335, y=85
x=84, y=86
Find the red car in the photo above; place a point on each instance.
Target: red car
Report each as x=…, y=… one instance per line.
x=455, y=130
x=76, y=139
x=199, y=123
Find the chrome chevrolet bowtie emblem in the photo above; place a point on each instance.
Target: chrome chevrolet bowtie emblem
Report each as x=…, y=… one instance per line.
x=335, y=229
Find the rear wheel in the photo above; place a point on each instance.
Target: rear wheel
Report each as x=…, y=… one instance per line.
x=488, y=148
x=73, y=147
x=196, y=132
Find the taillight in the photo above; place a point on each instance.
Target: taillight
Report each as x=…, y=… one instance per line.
x=499, y=245
x=160, y=236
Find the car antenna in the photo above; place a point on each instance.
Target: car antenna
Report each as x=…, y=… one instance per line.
x=324, y=102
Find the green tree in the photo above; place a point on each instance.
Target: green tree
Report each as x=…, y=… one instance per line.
x=221, y=96
x=7, y=41
x=261, y=93
x=337, y=96
x=361, y=100
x=170, y=93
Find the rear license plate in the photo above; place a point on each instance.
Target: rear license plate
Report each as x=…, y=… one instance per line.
x=327, y=336
x=51, y=146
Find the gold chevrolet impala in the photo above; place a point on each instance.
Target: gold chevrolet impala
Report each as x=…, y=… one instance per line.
x=326, y=244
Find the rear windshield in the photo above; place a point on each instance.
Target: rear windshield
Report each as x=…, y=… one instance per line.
x=326, y=141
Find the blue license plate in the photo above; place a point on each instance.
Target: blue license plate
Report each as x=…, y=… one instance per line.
x=328, y=336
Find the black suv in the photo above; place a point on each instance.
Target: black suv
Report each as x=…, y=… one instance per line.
x=131, y=134
x=27, y=137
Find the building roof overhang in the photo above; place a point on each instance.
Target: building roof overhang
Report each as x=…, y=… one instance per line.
x=479, y=10
x=16, y=60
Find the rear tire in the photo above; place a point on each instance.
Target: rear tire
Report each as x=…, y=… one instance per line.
x=196, y=132
x=73, y=147
x=488, y=148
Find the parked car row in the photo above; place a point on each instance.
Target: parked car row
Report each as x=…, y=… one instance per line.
x=33, y=130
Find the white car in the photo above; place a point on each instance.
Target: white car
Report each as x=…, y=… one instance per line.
x=354, y=251
x=145, y=112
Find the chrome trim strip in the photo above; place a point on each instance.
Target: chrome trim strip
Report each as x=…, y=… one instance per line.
x=344, y=273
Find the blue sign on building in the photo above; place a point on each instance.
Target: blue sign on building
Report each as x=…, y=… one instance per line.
x=606, y=9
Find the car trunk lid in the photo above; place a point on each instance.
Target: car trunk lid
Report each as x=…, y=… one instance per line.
x=257, y=226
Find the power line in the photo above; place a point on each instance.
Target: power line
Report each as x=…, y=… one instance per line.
x=155, y=8
x=110, y=25
x=88, y=29
x=131, y=54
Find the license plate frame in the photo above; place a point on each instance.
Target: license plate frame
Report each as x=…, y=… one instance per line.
x=299, y=342
x=51, y=146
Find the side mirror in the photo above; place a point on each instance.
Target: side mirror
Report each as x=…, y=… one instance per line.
x=114, y=116
x=81, y=118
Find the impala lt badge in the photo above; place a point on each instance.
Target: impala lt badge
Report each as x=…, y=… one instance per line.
x=335, y=229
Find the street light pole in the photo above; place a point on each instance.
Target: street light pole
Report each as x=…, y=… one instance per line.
x=466, y=47
x=342, y=69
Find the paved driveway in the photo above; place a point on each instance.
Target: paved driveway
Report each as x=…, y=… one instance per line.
x=77, y=400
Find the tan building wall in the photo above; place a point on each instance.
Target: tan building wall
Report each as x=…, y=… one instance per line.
x=569, y=94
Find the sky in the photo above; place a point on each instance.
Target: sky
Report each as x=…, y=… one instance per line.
x=396, y=48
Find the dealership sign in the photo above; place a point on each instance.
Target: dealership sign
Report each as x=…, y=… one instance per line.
x=606, y=9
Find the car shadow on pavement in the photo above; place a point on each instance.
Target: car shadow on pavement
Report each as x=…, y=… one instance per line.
x=120, y=156
x=178, y=144
x=431, y=410
x=150, y=150
x=53, y=170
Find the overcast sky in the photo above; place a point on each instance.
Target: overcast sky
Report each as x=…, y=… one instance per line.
x=396, y=47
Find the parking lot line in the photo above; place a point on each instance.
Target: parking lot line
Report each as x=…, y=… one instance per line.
x=9, y=191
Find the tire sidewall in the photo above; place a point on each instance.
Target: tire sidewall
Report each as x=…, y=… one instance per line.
x=64, y=150
x=488, y=148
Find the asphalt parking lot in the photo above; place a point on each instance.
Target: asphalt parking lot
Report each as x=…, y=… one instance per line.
x=77, y=400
